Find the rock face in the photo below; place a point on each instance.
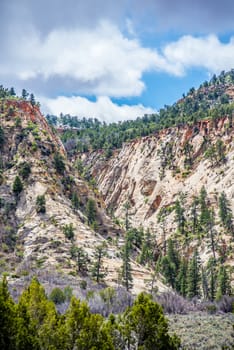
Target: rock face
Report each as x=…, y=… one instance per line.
x=152, y=172
x=31, y=240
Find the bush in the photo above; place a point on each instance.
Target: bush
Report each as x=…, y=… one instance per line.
x=68, y=230
x=173, y=303
x=57, y=296
x=226, y=304
x=59, y=163
x=40, y=204
x=17, y=186
x=25, y=170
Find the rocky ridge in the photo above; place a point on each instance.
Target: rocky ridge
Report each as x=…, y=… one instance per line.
x=34, y=241
x=152, y=172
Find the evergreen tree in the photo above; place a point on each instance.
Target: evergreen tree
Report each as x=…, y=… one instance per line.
x=194, y=215
x=223, y=283
x=220, y=149
x=12, y=91
x=2, y=138
x=147, y=251
x=126, y=272
x=145, y=326
x=41, y=204
x=91, y=211
x=170, y=264
x=68, y=231
x=205, y=286
x=75, y=200
x=193, y=276
x=181, y=283
x=37, y=319
x=59, y=163
x=81, y=258
x=211, y=266
x=7, y=318
x=180, y=217
x=212, y=232
x=24, y=94
x=204, y=208
x=98, y=271
x=32, y=100
x=225, y=213
x=17, y=186
x=127, y=207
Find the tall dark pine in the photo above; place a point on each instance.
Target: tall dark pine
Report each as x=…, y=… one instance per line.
x=98, y=271
x=225, y=213
x=32, y=100
x=126, y=273
x=193, y=276
x=24, y=94
x=12, y=91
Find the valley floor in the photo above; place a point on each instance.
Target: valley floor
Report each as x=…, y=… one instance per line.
x=204, y=332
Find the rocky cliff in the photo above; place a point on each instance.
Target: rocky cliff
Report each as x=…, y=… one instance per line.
x=152, y=173
x=32, y=239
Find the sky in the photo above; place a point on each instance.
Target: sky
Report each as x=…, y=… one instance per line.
x=113, y=60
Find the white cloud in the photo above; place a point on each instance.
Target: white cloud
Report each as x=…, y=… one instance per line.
x=204, y=52
x=101, y=60
x=103, y=109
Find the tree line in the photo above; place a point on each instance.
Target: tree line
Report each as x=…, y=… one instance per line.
x=34, y=323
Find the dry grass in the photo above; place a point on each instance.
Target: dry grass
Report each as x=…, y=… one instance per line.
x=204, y=332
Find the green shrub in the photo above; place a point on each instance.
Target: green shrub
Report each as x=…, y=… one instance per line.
x=57, y=296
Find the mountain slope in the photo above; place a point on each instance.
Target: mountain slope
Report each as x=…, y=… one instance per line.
x=34, y=238
x=158, y=175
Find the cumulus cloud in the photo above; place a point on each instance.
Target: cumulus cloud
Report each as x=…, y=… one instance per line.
x=204, y=52
x=103, y=108
x=101, y=60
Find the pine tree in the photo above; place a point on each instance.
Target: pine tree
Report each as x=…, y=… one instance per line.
x=220, y=149
x=146, y=255
x=225, y=213
x=75, y=200
x=91, y=211
x=81, y=258
x=204, y=208
x=17, y=186
x=40, y=204
x=68, y=231
x=223, y=285
x=212, y=287
x=194, y=215
x=180, y=217
x=145, y=327
x=181, y=283
x=7, y=318
x=127, y=207
x=193, y=276
x=170, y=265
x=32, y=100
x=126, y=272
x=98, y=271
x=24, y=94
x=212, y=232
x=2, y=138
x=59, y=163
x=205, y=286
x=12, y=91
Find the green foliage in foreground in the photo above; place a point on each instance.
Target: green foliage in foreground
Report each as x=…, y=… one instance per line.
x=35, y=324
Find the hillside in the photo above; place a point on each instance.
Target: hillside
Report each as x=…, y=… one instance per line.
x=210, y=101
x=48, y=212
x=173, y=183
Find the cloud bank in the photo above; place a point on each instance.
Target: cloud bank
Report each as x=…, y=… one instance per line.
x=103, y=109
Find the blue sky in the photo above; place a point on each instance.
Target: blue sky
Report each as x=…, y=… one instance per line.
x=114, y=60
